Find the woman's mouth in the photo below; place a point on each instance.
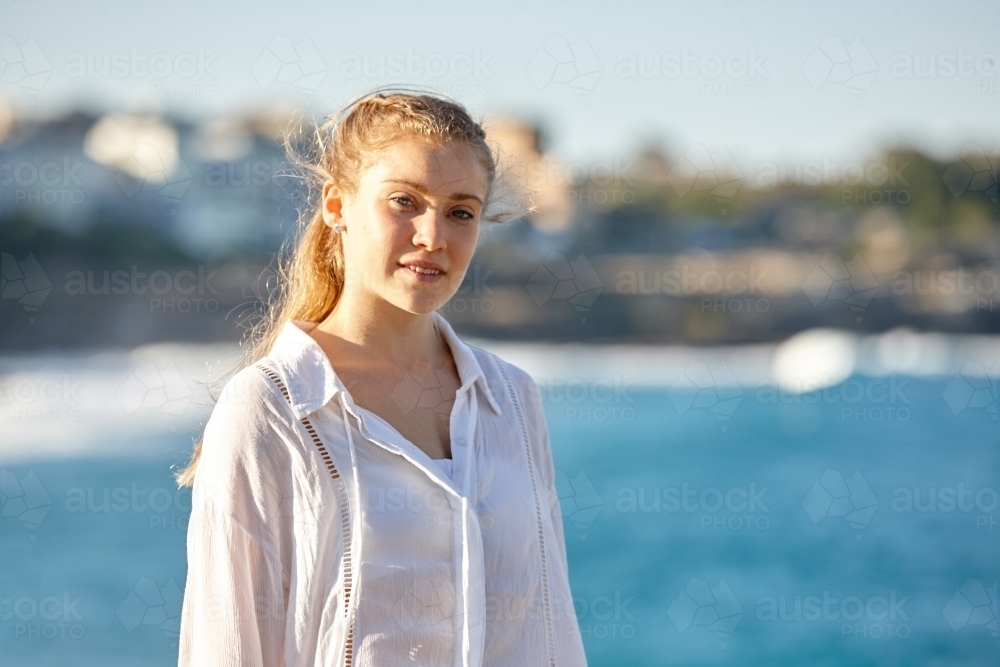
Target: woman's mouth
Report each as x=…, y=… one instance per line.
x=423, y=273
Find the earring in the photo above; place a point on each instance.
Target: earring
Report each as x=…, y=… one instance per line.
x=338, y=228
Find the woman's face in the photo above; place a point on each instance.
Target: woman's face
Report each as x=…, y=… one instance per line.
x=411, y=228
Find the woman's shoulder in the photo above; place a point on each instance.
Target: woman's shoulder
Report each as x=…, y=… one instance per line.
x=245, y=446
x=251, y=393
x=251, y=390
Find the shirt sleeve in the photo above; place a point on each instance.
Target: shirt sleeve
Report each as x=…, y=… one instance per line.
x=235, y=597
x=234, y=601
x=569, y=642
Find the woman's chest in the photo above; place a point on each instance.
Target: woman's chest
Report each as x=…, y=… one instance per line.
x=407, y=498
x=410, y=527
x=418, y=404
x=401, y=494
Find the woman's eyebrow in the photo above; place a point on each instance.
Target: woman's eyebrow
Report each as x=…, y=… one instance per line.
x=420, y=188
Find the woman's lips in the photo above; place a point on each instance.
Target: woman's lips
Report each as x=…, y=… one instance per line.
x=423, y=273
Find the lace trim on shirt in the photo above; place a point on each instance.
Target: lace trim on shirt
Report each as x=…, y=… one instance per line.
x=538, y=515
x=345, y=518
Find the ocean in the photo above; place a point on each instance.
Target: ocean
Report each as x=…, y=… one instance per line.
x=717, y=511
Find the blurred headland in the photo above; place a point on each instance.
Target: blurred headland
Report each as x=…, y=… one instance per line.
x=118, y=230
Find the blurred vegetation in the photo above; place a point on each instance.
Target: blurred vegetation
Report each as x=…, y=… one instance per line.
x=941, y=204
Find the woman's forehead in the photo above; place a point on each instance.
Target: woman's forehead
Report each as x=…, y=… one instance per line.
x=431, y=164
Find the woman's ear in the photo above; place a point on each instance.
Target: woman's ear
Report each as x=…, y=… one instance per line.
x=332, y=204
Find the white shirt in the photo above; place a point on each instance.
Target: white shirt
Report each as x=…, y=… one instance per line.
x=463, y=567
x=446, y=465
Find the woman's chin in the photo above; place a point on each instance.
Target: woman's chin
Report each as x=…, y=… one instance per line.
x=424, y=300
x=421, y=304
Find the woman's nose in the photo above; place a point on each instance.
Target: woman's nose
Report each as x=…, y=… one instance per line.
x=429, y=230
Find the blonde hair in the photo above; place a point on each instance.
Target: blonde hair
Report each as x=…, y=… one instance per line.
x=310, y=279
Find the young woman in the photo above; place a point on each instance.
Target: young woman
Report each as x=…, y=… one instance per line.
x=369, y=489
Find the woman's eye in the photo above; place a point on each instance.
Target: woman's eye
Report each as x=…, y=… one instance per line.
x=402, y=199
x=466, y=215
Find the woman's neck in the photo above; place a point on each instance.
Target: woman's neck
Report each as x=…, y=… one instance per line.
x=380, y=336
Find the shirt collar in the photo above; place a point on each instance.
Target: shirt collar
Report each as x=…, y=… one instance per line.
x=312, y=382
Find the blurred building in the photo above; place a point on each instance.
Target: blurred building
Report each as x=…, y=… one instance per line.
x=213, y=188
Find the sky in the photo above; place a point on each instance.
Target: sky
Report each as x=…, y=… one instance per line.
x=765, y=81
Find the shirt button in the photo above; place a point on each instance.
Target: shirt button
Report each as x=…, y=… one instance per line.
x=461, y=442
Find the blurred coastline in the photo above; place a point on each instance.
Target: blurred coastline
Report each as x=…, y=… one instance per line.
x=118, y=230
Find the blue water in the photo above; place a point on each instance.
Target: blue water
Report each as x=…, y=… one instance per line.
x=660, y=578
